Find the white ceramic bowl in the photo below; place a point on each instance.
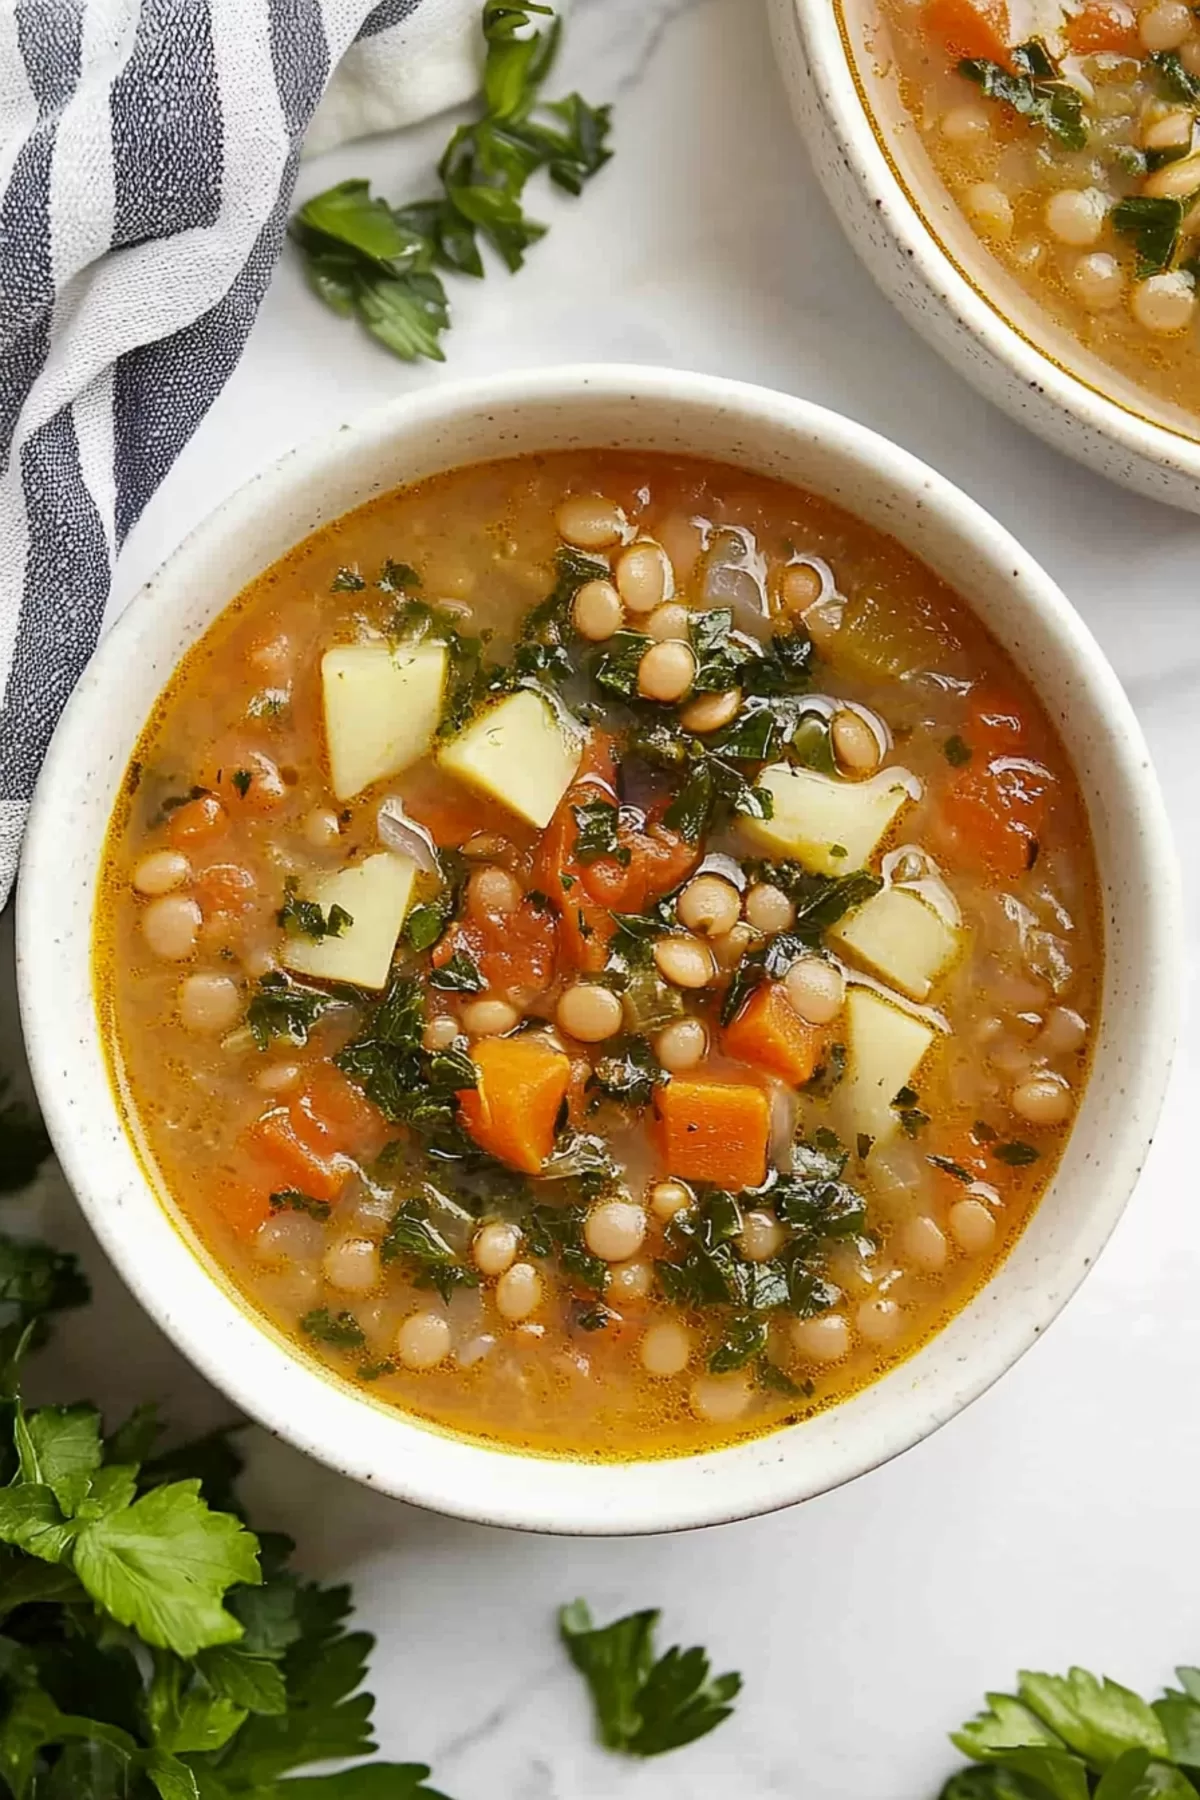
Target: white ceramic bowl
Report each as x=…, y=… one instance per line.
x=926, y=258
x=633, y=408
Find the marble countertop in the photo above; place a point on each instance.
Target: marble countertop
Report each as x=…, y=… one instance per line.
x=1055, y=1520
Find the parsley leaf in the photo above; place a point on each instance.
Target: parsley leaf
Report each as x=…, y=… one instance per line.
x=367, y=259
x=643, y=1705
x=1034, y=89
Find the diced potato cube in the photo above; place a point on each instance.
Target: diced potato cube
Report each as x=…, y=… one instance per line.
x=900, y=938
x=518, y=752
x=382, y=706
x=376, y=893
x=830, y=825
x=884, y=1048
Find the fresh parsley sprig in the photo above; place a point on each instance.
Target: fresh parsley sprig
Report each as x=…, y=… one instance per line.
x=383, y=265
x=644, y=1705
x=1068, y=1737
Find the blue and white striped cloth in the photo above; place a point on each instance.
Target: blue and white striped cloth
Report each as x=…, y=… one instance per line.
x=148, y=150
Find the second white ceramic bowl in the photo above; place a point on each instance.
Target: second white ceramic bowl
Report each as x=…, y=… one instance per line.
x=633, y=408
x=915, y=242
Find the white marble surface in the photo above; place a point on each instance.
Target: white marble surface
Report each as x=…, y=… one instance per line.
x=1055, y=1521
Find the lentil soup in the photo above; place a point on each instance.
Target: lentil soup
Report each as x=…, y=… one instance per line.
x=1066, y=131
x=602, y=951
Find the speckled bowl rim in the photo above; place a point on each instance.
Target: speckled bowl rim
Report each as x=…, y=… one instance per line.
x=559, y=408
x=1048, y=396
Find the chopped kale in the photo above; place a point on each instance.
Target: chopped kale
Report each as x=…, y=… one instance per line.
x=241, y=779
x=410, y=1085
x=956, y=751
x=1033, y=88
x=284, y=1008
x=347, y=581
x=597, y=822
x=1154, y=225
x=341, y=1331
x=397, y=577
x=1016, y=1154
x=413, y=1237
x=745, y=1339
x=291, y=1200
x=828, y=1073
x=629, y=1072
x=460, y=975
x=948, y=1166
x=557, y=1231
x=304, y=918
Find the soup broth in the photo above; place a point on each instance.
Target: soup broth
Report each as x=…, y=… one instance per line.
x=1067, y=131
x=601, y=949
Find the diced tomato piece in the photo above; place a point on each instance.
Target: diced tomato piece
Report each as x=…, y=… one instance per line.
x=196, y=822
x=514, y=952
x=341, y=1112
x=993, y=813
x=585, y=926
x=969, y=28
x=659, y=859
x=769, y=1033
x=284, y=1141
x=513, y=1113
x=1103, y=25
x=225, y=887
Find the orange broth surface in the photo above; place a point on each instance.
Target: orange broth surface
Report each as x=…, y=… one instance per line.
x=629, y=1153
x=1073, y=210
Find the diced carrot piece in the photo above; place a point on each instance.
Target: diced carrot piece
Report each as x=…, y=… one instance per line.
x=715, y=1131
x=244, y=1205
x=513, y=1113
x=770, y=1033
x=969, y=28
x=284, y=1139
x=1103, y=25
x=196, y=821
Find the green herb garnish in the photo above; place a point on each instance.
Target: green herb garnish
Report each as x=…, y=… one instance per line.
x=1016, y=1154
x=241, y=779
x=285, y=1008
x=596, y=826
x=1034, y=88
x=292, y=1200
x=383, y=264
x=304, y=918
x=459, y=975
x=643, y=1705
x=957, y=751
x=1154, y=225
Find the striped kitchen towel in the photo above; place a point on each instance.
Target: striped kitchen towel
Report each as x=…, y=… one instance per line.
x=148, y=150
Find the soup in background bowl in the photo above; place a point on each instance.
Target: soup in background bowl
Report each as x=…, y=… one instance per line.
x=998, y=166
x=600, y=951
